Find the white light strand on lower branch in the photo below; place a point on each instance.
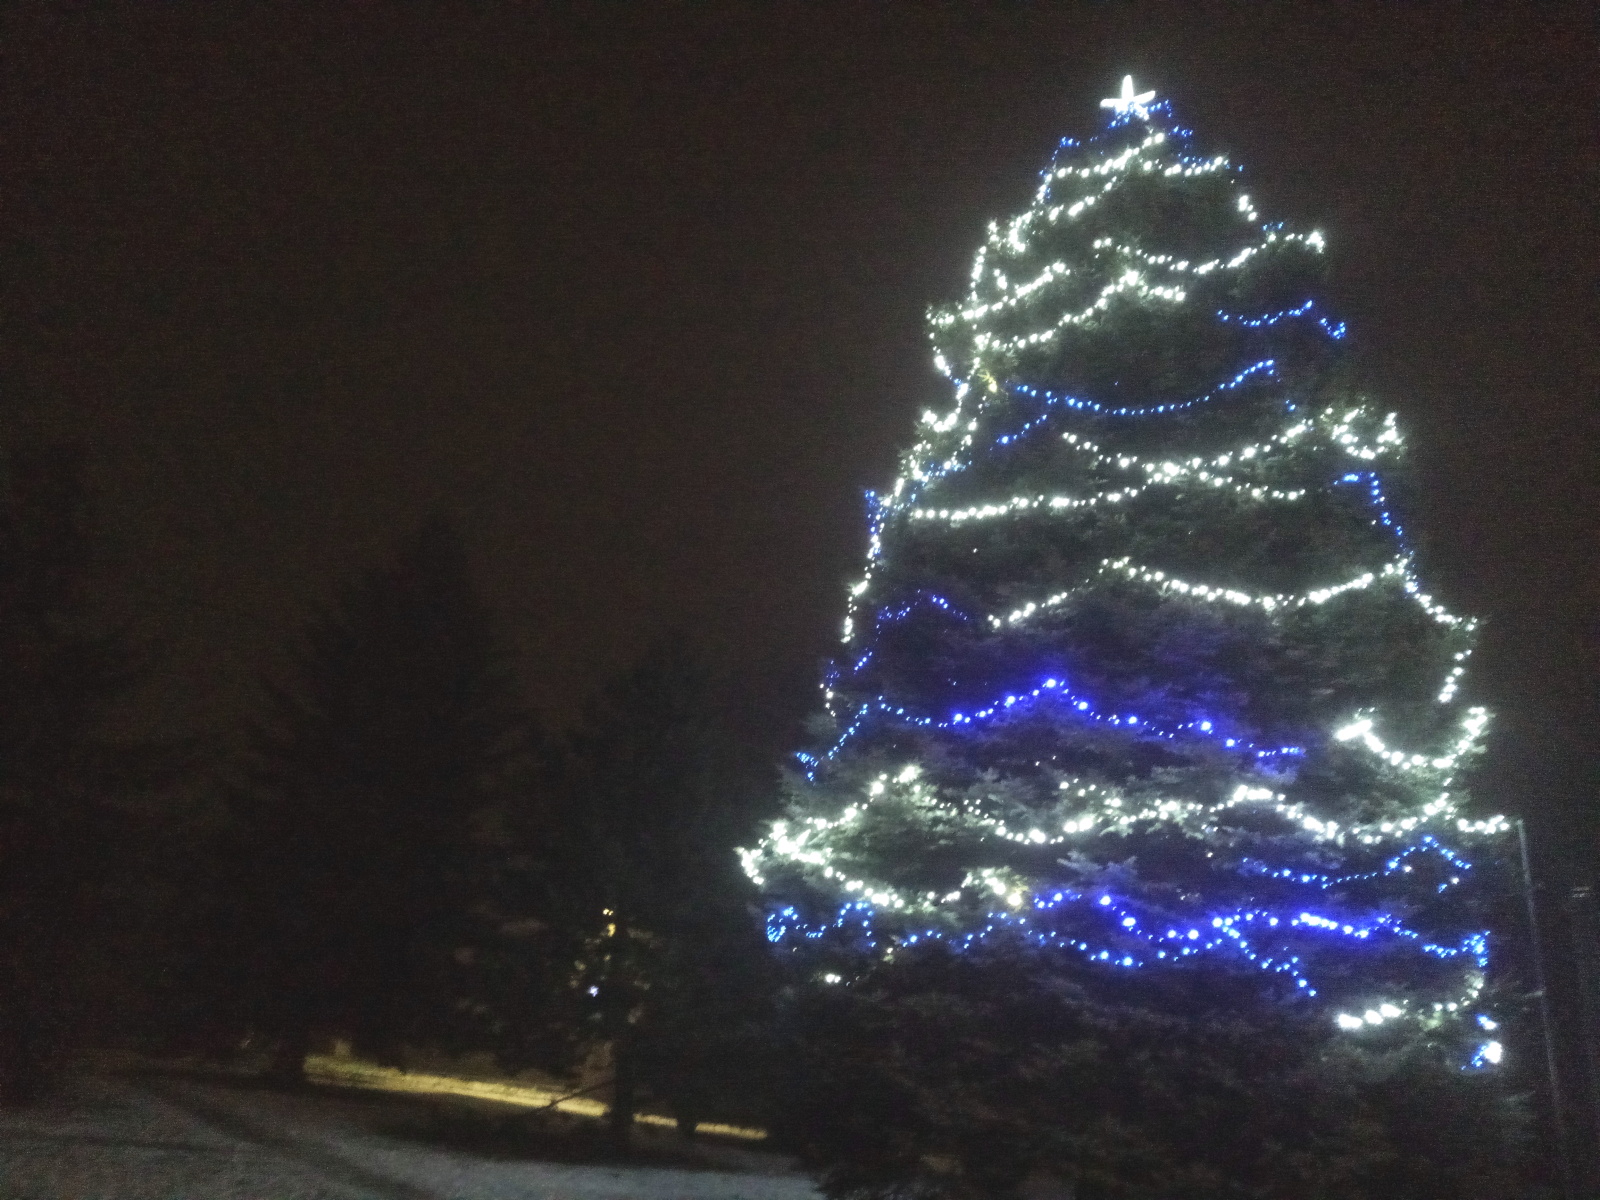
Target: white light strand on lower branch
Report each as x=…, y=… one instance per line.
x=1214, y=472
x=1360, y=730
x=1263, y=938
x=1116, y=814
x=1398, y=569
x=1059, y=503
x=1337, y=424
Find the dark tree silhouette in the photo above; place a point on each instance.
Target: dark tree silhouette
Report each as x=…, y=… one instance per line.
x=961, y=1075
x=672, y=974
x=375, y=775
x=63, y=669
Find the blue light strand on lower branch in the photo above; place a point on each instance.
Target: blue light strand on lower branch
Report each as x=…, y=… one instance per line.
x=1077, y=706
x=1336, y=330
x=1375, y=493
x=890, y=616
x=1265, y=366
x=1267, y=320
x=1164, y=940
x=1007, y=439
x=858, y=912
x=1425, y=845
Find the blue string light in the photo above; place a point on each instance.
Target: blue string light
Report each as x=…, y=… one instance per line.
x=1027, y=427
x=1076, y=706
x=1375, y=493
x=1266, y=368
x=1239, y=933
x=1427, y=844
x=888, y=616
x=1334, y=329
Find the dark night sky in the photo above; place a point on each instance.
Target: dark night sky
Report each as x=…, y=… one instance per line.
x=638, y=290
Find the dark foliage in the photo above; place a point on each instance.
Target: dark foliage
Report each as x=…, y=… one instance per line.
x=672, y=977
x=377, y=781
x=70, y=830
x=942, y=1075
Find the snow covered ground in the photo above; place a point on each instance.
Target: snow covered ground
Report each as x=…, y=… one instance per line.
x=151, y=1138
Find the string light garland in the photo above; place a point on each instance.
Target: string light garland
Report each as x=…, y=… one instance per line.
x=1076, y=707
x=1286, y=881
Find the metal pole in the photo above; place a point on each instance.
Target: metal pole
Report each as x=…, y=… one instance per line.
x=1586, y=958
x=1557, y=1109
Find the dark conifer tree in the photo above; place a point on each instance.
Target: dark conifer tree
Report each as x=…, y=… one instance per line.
x=378, y=776
x=65, y=824
x=672, y=979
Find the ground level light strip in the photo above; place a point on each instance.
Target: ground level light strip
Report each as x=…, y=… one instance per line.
x=344, y=1072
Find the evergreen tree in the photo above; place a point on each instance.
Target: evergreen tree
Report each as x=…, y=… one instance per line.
x=377, y=779
x=65, y=782
x=1140, y=682
x=672, y=978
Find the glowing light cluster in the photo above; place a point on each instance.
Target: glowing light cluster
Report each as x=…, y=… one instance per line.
x=1128, y=104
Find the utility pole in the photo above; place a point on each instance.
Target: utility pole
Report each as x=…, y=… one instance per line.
x=1584, y=923
x=1557, y=1108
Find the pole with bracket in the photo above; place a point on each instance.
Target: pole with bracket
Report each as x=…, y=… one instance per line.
x=1557, y=1108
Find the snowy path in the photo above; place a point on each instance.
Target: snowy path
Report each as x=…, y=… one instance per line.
x=173, y=1139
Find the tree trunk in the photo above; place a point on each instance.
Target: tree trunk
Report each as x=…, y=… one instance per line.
x=288, y=1066
x=624, y=1093
x=688, y=1123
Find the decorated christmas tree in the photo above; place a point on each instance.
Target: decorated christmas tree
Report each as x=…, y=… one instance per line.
x=1139, y=675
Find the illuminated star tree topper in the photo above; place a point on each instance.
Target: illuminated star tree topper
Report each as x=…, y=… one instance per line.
x=1128, y=104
